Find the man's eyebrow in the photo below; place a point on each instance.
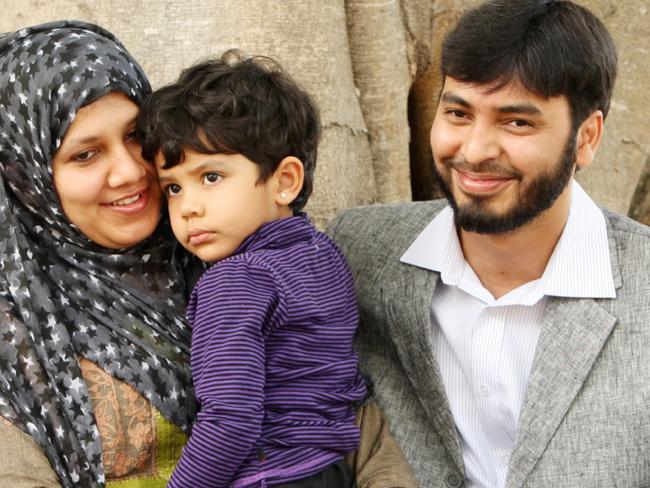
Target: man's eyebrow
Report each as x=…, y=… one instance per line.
x=523, y=108
x=449, y=97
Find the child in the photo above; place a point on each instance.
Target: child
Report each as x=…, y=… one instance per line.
x=234, y=142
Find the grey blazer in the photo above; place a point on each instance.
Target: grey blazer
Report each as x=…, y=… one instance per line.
x=585, y=421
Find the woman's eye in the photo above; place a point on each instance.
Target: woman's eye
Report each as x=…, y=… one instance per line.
x=85, y=156
x=211, y=178
x=131, y=136
x=173, y=189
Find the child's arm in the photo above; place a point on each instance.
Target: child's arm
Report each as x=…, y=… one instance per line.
x=228, y=309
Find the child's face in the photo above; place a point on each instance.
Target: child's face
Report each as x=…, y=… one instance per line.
x=215, y=201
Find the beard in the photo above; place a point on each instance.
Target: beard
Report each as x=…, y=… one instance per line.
x=534, y=197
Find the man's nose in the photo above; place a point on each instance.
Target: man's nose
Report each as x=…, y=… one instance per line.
x=481, y=143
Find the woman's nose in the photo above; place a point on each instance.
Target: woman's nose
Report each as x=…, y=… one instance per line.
x=126, y=168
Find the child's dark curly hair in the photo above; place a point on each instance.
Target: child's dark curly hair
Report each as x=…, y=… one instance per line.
x=233, y=105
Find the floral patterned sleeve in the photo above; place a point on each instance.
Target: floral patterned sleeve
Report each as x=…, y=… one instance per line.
x=139, y=446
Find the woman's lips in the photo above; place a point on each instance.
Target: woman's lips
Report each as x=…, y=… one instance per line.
x=131, y=204
x=481, y=184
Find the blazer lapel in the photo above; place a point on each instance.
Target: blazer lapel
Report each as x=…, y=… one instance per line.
x=407, y=300
x=572, y=335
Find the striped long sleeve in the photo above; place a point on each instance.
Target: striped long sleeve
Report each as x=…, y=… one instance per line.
x=275, y=373
x=228, y=359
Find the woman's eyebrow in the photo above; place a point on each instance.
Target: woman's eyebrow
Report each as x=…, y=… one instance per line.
x=94, y=137
x=82, y=140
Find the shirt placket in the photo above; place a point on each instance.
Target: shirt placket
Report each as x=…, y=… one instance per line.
x=489, y=391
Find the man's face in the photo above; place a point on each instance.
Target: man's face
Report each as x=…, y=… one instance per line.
x=501, y=157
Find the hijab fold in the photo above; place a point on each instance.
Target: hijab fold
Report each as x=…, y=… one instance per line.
x=63, y=297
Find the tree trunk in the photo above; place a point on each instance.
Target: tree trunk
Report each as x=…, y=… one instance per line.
x=373, y=68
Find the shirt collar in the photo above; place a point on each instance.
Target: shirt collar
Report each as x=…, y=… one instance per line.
x=580, y=266
x=278, y=234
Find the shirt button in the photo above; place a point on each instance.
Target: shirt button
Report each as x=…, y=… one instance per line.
x=453, y=480
x=484, y=391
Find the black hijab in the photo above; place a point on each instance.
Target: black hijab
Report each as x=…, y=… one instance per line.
x=61, y=295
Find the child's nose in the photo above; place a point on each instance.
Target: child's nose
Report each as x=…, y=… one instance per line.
x=191, y=207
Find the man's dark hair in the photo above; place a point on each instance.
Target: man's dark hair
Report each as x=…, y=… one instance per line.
x=552, y=47
x=233, y=105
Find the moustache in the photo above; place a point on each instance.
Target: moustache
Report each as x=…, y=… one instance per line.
x=489, y=166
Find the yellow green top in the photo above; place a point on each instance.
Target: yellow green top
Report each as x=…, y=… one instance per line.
x=168, y=445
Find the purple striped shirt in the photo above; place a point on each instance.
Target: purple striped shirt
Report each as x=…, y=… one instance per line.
x=272, y=360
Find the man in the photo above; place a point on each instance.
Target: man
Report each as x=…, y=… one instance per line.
x=507, y=330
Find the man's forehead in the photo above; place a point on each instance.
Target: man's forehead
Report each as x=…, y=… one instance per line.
x=498, y=93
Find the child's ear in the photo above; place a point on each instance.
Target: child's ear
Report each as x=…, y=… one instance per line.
x=289, y=175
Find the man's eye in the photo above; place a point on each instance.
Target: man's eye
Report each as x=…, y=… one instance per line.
x=520, y=123
x=211, y=178
x=173, y=189
x=85, y=156
x=459, y=114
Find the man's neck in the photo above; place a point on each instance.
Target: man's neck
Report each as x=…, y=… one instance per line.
x=504, y=262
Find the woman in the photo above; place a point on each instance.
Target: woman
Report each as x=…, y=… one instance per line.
x=94, y=372
x=85, y=290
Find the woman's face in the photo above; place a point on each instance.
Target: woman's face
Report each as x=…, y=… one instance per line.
x=106, y=189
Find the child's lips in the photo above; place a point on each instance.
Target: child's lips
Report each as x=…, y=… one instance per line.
x=199, y=236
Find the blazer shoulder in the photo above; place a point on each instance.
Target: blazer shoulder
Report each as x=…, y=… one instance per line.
x=629, y=244
x=383, y=220
x=373, y=235
x=627, y=233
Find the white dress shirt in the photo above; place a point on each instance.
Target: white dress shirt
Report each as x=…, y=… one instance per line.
x=485, y=347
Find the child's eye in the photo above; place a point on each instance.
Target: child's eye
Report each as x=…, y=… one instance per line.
x=211, y=178
x=85, y=156
x=173, y=189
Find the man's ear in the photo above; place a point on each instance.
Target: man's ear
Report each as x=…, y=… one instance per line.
x=289, y=175
x=588, y=139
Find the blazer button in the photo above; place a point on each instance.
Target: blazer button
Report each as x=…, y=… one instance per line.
x=454, y=480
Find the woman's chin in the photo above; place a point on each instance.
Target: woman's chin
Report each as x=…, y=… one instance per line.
x=121, y=233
